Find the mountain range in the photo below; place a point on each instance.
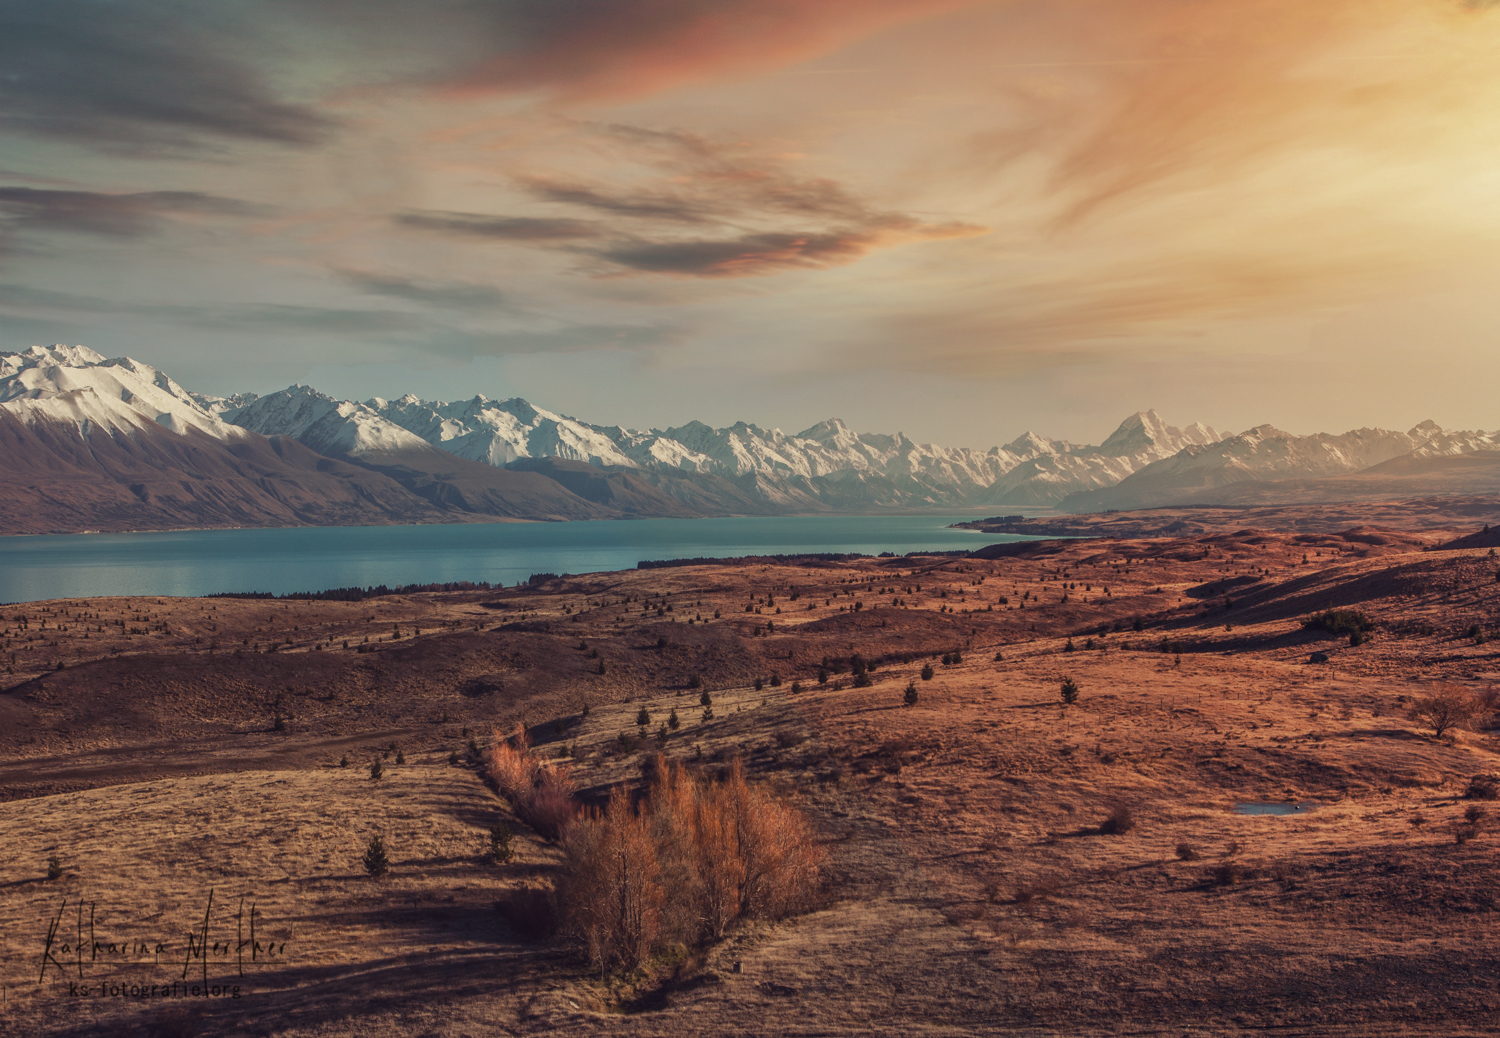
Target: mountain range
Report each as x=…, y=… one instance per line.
x=91, y=443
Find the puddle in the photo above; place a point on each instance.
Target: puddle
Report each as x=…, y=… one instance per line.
x=1279, y=807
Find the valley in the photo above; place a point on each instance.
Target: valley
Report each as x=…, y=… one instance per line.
x=974, y=878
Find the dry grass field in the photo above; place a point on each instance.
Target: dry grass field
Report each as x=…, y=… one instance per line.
x=997, y=860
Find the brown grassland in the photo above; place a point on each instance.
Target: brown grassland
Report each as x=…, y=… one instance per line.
x=992, y=859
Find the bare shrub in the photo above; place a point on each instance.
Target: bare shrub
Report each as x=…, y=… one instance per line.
x=1450, y=707
x=696, y=856
x=1227, y=874
x=540, y=792
x=1120, y=821
x=550, y=805
x=1187, y=852
x=1483, y=787
x=510, y=767
x=611, y=896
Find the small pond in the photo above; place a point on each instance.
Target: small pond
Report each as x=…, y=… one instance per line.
x=1279, y=807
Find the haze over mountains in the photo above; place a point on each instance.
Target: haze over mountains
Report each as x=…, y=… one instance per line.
x=92, y=443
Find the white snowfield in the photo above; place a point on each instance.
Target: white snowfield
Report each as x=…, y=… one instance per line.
x=1266, y=452
x=767, y=462
x=828, y=462
x=75, y=385
x=326, y=425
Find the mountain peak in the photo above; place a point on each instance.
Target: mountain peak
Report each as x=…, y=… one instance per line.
x=1141, y=432
x=828, y=431
x=68, y=356
x=1029, y=443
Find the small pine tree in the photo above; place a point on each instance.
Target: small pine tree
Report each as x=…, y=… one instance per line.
x=279, y=723
x=400, y=756
x=822, y=676
x=1070, y=647
x=796, y=687
x=661, y=736
x=775, y=680
x=1069, y=691
x=54, y=868
x=377, y=769
x=642, y=717
x=453, y=758
x=759, y=684
x=708, y=714
x=602, y=668
x=344, y=761
x=500, y=849
x=705, y=699
x=697, y=681
x=672, y=721
x=375, y=861
x=910, y=699
x=927, y=672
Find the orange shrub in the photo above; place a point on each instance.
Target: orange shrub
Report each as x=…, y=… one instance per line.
x=715, y=851
x=542, y=794
x=611, y=893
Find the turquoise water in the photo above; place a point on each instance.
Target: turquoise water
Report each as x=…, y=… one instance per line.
x=199, y=562
x=1274, y=808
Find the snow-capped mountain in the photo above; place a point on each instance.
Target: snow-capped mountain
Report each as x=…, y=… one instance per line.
x=1056, y=470
x=73, y=384
x=826, y=466
x=87, y=442
x=1266, y=453
x=499, y=432
x=328, y=426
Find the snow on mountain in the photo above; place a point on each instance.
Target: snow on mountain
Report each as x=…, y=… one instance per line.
x=499, y=432
x=1145, y=433
x=219, y=404
x=812, y=469
x=75, y=385
x=1268, y=453
x=1057, y=469
x=326, y=425
x=827, y=466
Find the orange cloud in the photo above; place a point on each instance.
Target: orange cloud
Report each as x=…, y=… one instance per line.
x=631, y=49
x=754, y=255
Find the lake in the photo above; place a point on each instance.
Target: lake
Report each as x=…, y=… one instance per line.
x=200, y=562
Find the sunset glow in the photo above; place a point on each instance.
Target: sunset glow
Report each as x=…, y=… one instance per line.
x=1039, y=213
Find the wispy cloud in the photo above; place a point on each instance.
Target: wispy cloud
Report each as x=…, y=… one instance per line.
x=448, y=294
x=114, y=215
x=748, y=215
x=585, y=50
x=525, y=229
x=140, y=76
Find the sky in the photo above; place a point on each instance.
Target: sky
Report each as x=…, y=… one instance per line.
x=954, y=219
